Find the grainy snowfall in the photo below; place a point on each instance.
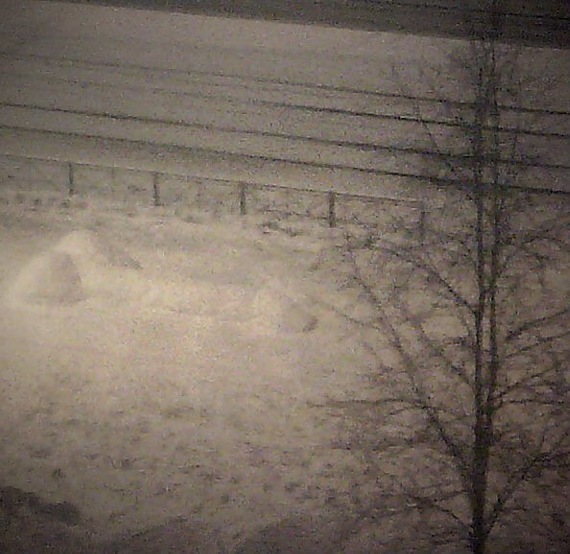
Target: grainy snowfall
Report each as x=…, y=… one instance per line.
x=178, y=340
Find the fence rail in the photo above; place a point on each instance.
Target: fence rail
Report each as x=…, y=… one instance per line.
x=243, y=191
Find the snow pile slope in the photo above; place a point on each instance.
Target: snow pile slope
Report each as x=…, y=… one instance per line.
x=68, y=272
x=50, y=278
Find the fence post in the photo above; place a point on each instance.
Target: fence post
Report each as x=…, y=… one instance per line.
x=70, y=180
x=332, y=211
x=155, y=189
x=242, y=199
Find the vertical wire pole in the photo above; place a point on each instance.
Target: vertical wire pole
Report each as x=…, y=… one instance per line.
x=332, y=210
x=155, y=190
x=242, y=199
x=70, y=180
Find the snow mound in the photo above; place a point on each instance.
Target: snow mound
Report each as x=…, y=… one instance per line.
x=74, y=269
x=88, y=248
x=275, y=310
x=51, y=278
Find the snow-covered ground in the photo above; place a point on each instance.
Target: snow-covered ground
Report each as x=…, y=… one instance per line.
x=166, y=372
x=179, y=385
x=180, y=376
x=158, y=367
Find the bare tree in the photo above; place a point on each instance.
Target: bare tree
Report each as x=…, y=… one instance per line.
x=469, y=336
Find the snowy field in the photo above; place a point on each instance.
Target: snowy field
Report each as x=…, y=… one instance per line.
x=154, y=368
x=169, y=383
x=164, y=370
